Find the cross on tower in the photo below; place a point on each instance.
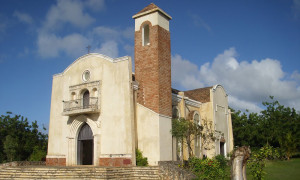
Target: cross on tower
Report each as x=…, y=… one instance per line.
x=88, y=48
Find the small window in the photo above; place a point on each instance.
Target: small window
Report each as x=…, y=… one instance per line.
x=86, y=75
x=146, y=40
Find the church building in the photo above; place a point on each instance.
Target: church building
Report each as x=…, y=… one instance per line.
x=102, y=111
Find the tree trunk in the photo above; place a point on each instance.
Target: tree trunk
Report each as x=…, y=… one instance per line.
x=239, y=162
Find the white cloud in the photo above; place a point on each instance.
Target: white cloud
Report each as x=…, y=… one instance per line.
x=95, y=5
x=109, y=33
x=199, y=22
x=106, y=33
x=296, y=76
x=51, y=45
x=238, y=103
x=67, y=12
x=102, y=39
x=185, y=73
x=247, y=83
x=108, y=48
x=23, y=17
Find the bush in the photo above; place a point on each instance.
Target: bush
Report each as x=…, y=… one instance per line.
x=38, y=154
x=140, y=159
x=208, y=168
x=222, y=160
x=257, y=161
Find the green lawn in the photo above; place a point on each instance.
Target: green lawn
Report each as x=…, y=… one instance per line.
x=281, y=170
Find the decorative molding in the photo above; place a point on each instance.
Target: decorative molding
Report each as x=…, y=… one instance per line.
x=192, y=102
x=151, y=11
x=77, y=123
x=112, y=60
x=218, y=85
x=115, y=155
x=56, y=156
x=176, y=98
x=84, y=85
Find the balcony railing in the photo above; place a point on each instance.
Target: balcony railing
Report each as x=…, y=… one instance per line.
x=80, y=106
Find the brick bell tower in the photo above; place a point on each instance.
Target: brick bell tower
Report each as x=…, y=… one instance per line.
x=153, y=59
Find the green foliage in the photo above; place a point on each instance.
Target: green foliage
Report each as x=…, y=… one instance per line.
x=208, y=168
x=10, y=147
x=277, y=125
x=18, y=138
x=38, y=154
x=186, y=130
x=222, y=160
x=140, y=159
x=257, y=161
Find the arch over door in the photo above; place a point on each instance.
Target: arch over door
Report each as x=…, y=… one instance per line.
x=85, y=146
x=86, y=99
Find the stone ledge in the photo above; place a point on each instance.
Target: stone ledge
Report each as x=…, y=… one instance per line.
x=24, y=163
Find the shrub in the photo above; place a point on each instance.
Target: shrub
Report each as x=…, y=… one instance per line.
x=207, y=168
x=140, y=159
x=222, y=160
x=38, y=154
x=257, y=161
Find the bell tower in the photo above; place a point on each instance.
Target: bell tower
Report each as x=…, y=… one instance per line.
x=153, y=59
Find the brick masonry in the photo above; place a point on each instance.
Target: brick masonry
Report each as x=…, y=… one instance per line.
x=115, y=162
x=153, y=69
x=56, y=161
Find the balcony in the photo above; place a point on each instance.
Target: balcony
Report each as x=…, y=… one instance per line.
x=81, y=106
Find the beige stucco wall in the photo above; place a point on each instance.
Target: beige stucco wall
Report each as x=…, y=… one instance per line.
x=153, y=134
x=221, y=117
x=155, y=18
x=111, y=127
x=215, y=112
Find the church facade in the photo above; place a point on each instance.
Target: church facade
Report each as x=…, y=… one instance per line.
x=101, y=111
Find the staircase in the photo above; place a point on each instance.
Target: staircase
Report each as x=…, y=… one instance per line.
x=78, y=172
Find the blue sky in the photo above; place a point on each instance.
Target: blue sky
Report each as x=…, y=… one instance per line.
x=252, y=48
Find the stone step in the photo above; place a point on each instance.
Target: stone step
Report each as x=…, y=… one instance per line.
x=46, y=172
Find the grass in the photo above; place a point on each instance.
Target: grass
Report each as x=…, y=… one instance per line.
x=281, y=170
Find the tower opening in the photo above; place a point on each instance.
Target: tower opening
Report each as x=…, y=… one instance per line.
x=146, y=38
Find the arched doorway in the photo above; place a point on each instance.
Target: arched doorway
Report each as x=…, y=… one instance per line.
x=86, y=99
x=85, y=146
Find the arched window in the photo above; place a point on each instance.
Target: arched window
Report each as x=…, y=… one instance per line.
x=197, y=146
x=86, y=99
x=146, y=38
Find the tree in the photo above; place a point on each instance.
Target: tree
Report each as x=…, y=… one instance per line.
x=10, y=147
x=19, y=139
x=276, y=125
x=186, y=131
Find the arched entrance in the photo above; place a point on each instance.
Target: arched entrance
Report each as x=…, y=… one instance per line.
x=86, y=99
x=85, y=146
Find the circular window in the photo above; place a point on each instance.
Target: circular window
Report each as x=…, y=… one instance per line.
x=86, y=75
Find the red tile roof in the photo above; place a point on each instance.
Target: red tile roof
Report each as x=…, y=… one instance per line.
x=149, y=9
x=201, y=94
